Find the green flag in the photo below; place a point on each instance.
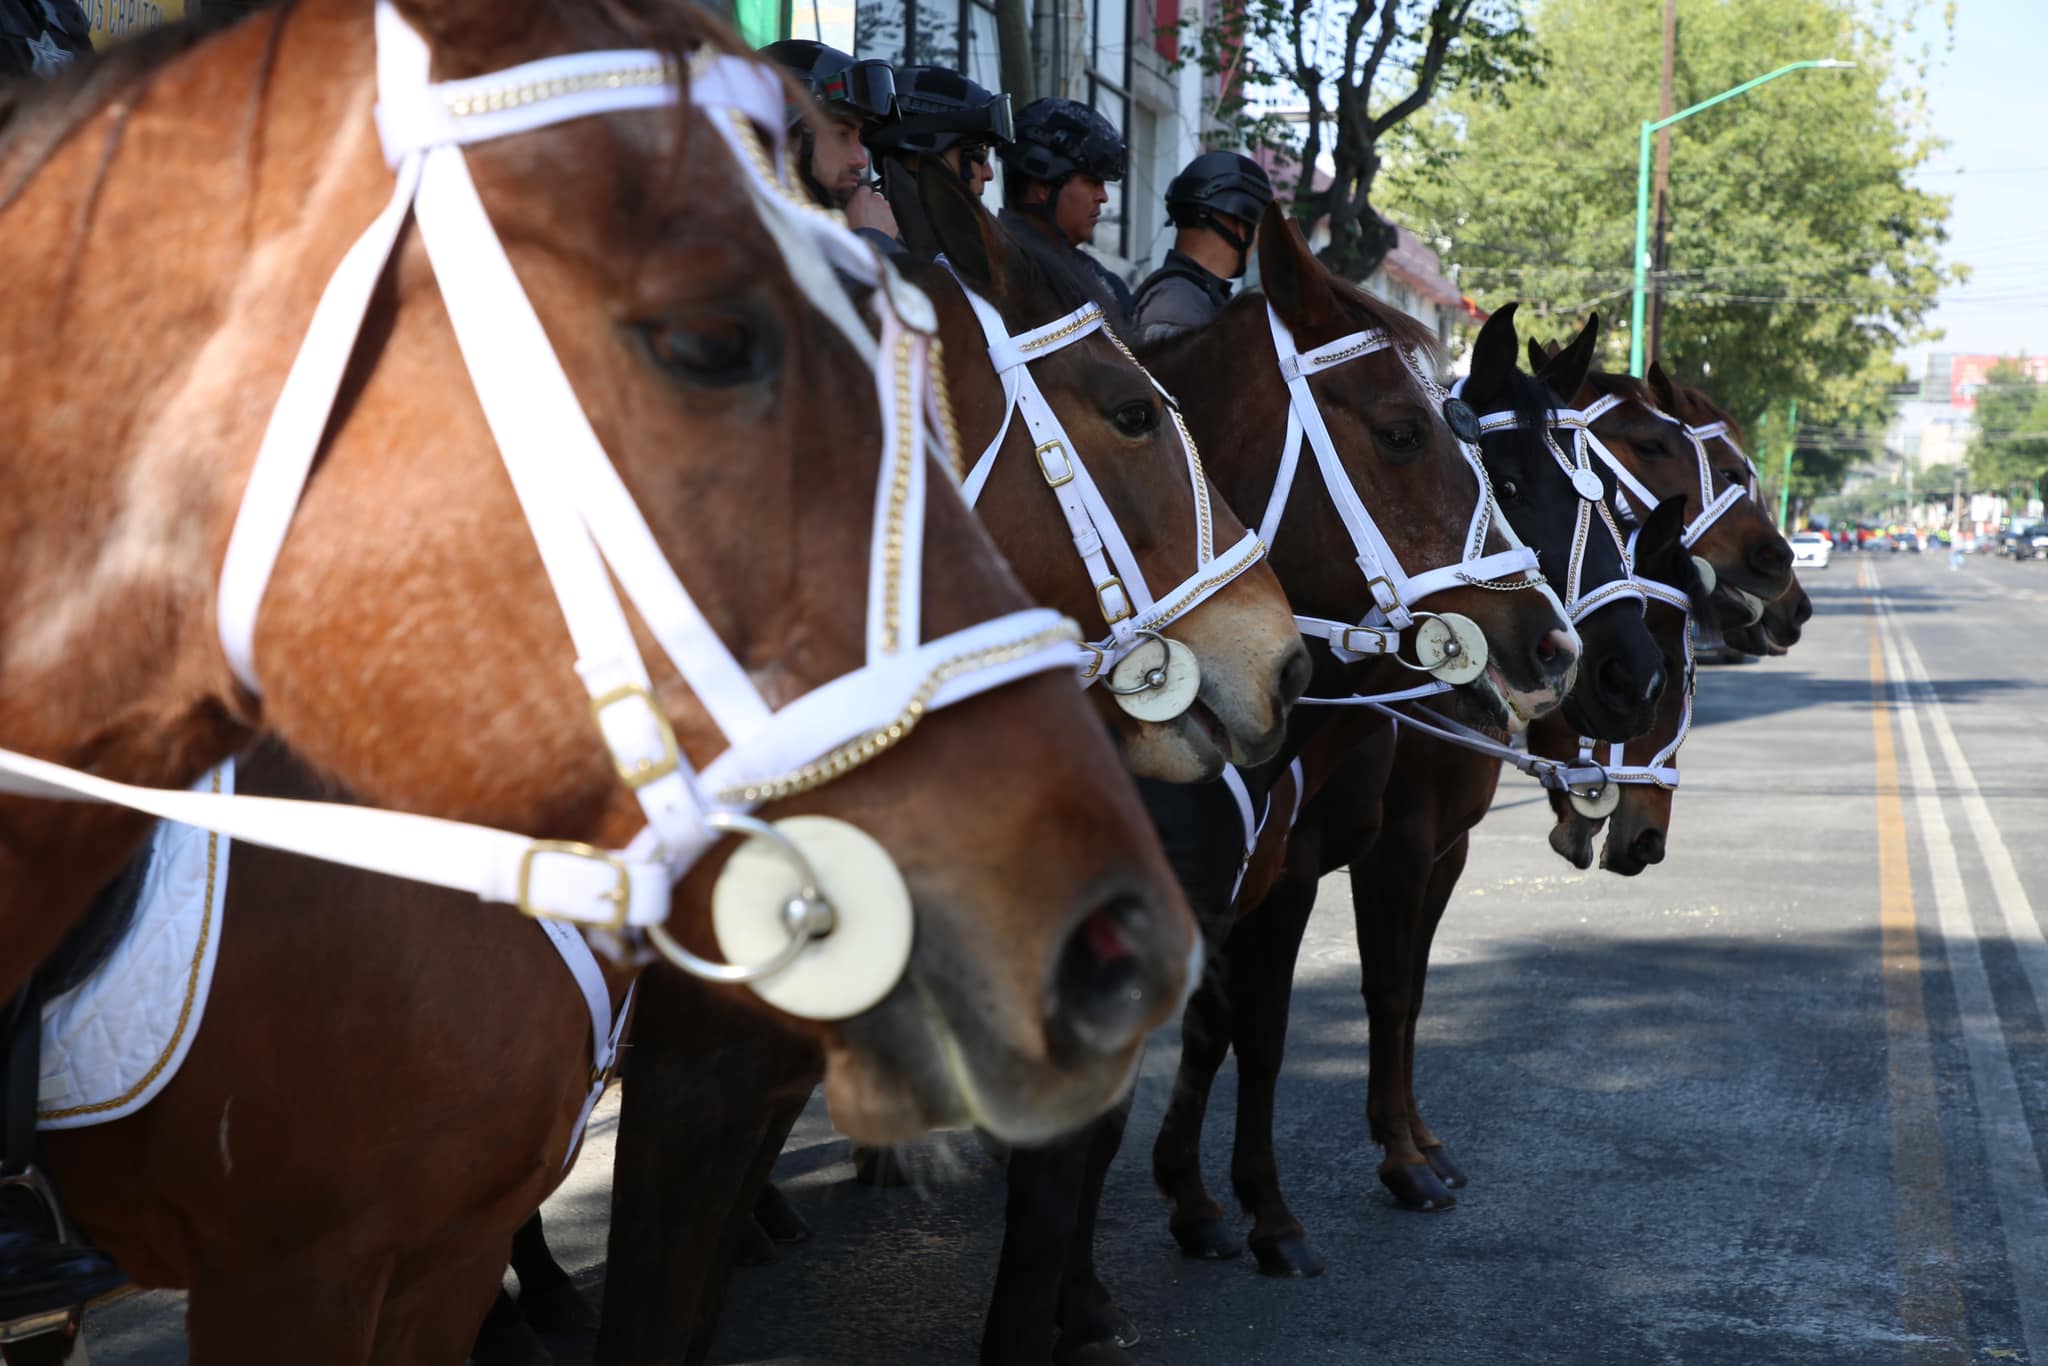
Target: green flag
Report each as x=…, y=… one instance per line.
x=759, y=21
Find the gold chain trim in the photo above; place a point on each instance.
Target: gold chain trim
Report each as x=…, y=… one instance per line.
x=1504, y=585
x=1087, y=319
x=899, y=492
x=1195, y=591
x=854, y=753
x=942, y=394
x=498, y=98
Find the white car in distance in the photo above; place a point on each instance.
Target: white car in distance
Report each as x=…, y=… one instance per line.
x=1810, y=549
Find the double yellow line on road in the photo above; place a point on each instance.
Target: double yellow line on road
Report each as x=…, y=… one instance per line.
x=1930, y=1295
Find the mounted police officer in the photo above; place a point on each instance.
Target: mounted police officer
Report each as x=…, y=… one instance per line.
x=832, y=160
x=1215, y=202
x=1056, y=174
x=943, y=116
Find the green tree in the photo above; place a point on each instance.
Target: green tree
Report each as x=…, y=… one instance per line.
x=1799, y=256
x=2010, y=449
x=1306, y=78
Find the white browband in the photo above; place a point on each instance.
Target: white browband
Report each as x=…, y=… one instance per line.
x=1129, y=607
x=584, y=521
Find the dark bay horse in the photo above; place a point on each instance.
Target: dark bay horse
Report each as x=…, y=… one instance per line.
x=1401, y=457
x=1397, y=808
x=1640, y=823
x=410, y=660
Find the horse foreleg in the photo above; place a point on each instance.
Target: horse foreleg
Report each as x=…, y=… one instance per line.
x=1088, y=1313
x=1197, y=1220
x=743, y=1218
x=1443, y=880
x=1388, y=890
x=1263, y=948
x=1040, y=1214
x=310, y=1311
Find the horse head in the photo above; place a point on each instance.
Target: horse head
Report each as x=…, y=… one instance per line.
x=1557, y=499
x=1076, y=459
x=1376, y=515
x=413, y=647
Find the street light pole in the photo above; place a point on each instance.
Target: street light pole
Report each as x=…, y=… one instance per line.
x=1785, y=478
x=1650, y=130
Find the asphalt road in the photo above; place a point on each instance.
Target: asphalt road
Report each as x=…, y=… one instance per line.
x=1780, y=1099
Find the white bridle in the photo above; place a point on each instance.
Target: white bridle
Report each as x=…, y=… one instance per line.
x=1130, y=609
x=1394, y=591
x=1713, y=506
x=589, y=532
x=1662, y=768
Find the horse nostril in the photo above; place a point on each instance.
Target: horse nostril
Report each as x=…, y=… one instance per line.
x=1803, y=613
x=1771, y=556
x=1554, y=654
x=1612, y=678
x=1649, y=846
x=1654, y=689
x=1294, y=675
x=1105, y=984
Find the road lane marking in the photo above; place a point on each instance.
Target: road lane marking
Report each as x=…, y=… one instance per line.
x=1930, y=1296
x=2009, y=1151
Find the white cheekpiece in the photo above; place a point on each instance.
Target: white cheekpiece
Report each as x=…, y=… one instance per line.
x=1705, y=569
x=845, y=971
x=1155, y=688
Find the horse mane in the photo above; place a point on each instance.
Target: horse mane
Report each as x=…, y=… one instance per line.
x=1407, y=331
x=1622, y=386
x=37, y=116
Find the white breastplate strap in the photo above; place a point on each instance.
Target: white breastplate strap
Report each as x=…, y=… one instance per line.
x=583, y=518
x=1394, y=591
x=1662, y=768
x=1129, y=606
x=606, y=1031
x=1581, y=599
x=1581, y=778
x=1255, y=821
x=1712, y=505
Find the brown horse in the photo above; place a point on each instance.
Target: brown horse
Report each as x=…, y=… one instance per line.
x=1395, y=806
x=1645, y=431
x=672, y=1238
x=398, y=648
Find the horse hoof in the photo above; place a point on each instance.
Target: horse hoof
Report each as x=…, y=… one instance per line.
x=1447, y=1171
x=1102, y=1321
x=1287, y=1255
x=879, y=1167
x=756, y=1247
x=1416, y=1187
x=778, y=1218
x=1093, y=1354
x=1208, y=1240
x=559, y=1310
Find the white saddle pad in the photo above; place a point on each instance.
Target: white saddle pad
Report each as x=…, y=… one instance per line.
x=114, y=1041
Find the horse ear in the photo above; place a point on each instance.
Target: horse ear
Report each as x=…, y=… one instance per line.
x=1538, y=357
x=980, y=251
x=1660, y=384
x=1657, y=544
x=1493, y=353
x=458, y=23
x=1566, y=370
x=1294, y=280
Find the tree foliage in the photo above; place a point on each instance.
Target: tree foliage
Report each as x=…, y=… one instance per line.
x=1799, y=257
x=1359, y=68
x=2010, y=449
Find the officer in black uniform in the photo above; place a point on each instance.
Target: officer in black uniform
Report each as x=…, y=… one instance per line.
x=1215, y=202
x=41, y=37
x=833, y=161
x=940, y=115
x=1055, y=178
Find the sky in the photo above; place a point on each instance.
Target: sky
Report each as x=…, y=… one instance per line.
x=1988, y=98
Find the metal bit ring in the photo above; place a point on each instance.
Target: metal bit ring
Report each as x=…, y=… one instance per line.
x=1154, y=678
x=806, y=916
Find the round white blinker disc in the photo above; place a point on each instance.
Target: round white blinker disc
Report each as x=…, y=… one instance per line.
x=1175, y=677
x=1452, y=647
x=1708, y=578
x=1588, y=484
x=1601, y=807
x=842, y=973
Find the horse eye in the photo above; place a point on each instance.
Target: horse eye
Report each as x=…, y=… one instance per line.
x=1652, y=450
x=1400, y=438
x=1136, y=418
x=716, y=351
x=1508, y=490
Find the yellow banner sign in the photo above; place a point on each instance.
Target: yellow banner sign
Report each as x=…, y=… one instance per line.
x=113, y=20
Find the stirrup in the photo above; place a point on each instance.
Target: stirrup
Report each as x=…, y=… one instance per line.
x=32, y=1180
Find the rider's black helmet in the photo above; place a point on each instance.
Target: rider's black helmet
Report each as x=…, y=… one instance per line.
x=866, y=89
x=1218, y=182
x=1056, y=138
x=937, y=108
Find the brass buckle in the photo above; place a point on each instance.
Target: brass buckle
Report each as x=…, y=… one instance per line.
x=620, y=896
x=1118, y=584
x=1066, y=475
x=1380, y=638
x=1096, y=655
x=1392, y=604
x=647, y=770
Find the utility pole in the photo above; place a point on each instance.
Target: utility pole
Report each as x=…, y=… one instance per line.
x=1955, y=510
x=1015, y=58
x=1660, y=189
x=1785, y=479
